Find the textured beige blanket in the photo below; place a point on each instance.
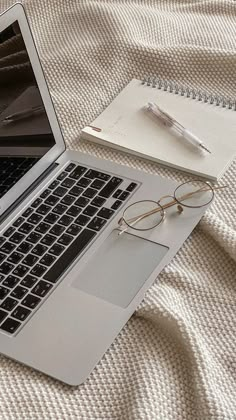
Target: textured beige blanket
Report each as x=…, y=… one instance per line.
x=175, y=359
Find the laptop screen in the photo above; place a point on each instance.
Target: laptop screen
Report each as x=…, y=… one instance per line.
x=25, y=132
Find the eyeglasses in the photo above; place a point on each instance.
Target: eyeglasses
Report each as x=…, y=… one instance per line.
x=147, y=214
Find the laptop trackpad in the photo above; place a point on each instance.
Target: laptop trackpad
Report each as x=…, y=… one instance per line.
x=119, y=268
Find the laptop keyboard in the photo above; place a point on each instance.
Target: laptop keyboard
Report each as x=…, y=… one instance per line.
x=12, y=169
x=37, y=248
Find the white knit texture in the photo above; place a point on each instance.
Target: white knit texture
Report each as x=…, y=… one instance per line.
x=175, y=359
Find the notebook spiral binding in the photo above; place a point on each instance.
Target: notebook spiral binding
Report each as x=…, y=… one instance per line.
x=179, y=89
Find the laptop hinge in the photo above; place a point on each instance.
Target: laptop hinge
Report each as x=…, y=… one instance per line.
x=28, y=191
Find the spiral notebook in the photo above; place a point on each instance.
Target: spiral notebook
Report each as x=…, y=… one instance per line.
x=125, y=126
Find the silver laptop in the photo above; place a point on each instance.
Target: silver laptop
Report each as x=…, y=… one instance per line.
x=68, y=281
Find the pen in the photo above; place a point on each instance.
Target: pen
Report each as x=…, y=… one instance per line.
x=24, y=114
x=169, y=121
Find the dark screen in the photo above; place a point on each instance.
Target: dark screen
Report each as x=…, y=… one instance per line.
x=25, y=132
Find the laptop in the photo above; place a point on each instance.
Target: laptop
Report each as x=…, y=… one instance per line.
x=68, y=281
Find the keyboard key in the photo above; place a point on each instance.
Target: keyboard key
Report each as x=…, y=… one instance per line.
x=97, y=223
x=73, y=211
x=124, y=195
x=42, y=288
x=82, y=201
x=2, y=240
x=90, y=211
x=131, y=187
x=68, y=182
x=2, y=277
x=89, y=193
x=52, y=200
x=42, y=227
x=24, y=247
x=15, y=257
x=59, y=209
x=98, y=201
x=43, y=209
x=36, y=203
x=20, y=270
x=11, y=281
x=35, y=218
x=48, y=240
x=2, y=257
x=5, y=268
x=8, y=304
x=73, y=229
x=62, y=176
x=30, y=301
x=65, y=220
x=34, y=237
x=7, y=247
x=95, y=174
x=51, y=218
x=26, y=228
x=83, y=182
x=60, y=191
x=57, y=230
x=106, y=213
x=3, y=292
x=20, y=313
x=116, y=204
x=30, y=260
x=77, y=172
x=19, y=292
x=10, y=325
x=72, y=252
x=68, y=200
x=17, y=237
x=9, y=231
x=110, y=187
x=117, y=193
x=47, y=260
x=45, y=193
x=53, y=185
x=76, y=191
x=65, y=239
x=97, y=184
x=39, y=250
x=38, y=270
x=56, y=249
x=18, y=221
x=82, y=220
x=28, y=212
x=3, y=315
x=70, y=167
x=28, y=281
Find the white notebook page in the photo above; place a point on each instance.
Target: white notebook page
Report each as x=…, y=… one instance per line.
x=126, y=126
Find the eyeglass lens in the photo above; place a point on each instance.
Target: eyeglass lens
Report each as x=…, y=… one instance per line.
x=143, y=215
x=194, y=194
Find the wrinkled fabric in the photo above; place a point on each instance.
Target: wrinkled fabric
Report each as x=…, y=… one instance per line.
x=175, y=358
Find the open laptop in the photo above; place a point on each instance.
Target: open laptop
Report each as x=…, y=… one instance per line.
x=68, y=281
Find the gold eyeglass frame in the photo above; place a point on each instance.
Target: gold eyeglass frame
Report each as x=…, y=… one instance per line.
x=162, y=208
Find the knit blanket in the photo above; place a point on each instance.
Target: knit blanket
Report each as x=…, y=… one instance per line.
x=175, y=358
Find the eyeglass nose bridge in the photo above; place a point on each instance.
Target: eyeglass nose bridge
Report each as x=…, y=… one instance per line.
x=121, y=220
x=172, y=203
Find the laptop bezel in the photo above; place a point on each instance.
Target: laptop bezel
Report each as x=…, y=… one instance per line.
x=8, y=17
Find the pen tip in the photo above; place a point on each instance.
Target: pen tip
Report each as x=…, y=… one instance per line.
x=205, y=148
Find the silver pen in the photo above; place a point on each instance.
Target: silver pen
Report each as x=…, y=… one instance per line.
x=169, y=121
